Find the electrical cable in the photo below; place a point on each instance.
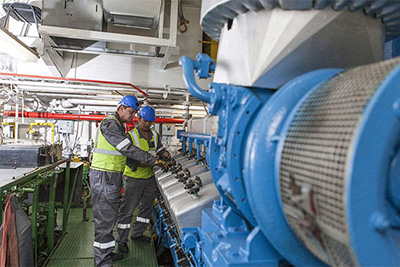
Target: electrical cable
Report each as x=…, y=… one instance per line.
x=183, y=22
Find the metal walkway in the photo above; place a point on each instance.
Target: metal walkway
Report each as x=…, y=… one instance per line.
x=75, y=249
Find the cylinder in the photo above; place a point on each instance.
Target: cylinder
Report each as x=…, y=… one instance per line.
x=329, y=140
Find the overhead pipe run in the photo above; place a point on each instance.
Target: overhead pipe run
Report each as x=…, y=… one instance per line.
x=74, y=80
x=79, y=117
x=86, y=90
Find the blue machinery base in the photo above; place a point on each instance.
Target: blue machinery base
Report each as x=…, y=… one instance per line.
x=231, y=241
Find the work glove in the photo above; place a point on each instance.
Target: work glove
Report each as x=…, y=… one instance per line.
x=133, y=164
x=162, y=164
x=153, y=153
x=165, y=155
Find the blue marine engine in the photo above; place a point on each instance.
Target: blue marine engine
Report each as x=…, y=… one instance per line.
x=301, y=164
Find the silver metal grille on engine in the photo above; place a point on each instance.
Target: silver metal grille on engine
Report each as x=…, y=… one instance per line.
x=314, y=157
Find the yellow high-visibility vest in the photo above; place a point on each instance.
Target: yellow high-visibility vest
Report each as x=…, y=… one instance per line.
x=143, y=144
x=106, y=157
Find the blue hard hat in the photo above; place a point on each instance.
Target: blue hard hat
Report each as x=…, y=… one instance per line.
x=130, y=101
x=147, y=113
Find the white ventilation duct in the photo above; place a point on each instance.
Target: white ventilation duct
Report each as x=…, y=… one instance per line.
x=135, y=13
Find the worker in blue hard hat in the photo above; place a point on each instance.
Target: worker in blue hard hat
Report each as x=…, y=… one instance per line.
x=140, y=184
x=111, y=150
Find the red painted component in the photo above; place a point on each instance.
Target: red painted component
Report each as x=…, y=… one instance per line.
x=74, y=80
x=130, y=125
x=60, y=116
x=168, y=120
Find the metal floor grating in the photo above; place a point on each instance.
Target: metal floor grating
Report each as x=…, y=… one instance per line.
x=75, y=249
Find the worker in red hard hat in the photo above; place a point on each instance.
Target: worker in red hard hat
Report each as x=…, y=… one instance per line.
x=140, y=183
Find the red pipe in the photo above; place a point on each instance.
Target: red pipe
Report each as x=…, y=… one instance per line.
x=167, y=120
x=60, y=116
x=56, y=116
x=74, y=80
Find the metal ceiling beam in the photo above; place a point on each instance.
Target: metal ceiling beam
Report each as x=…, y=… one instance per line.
x=103, y=36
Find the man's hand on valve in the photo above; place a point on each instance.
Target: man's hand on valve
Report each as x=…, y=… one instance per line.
x=165, y=155
x=162, y=164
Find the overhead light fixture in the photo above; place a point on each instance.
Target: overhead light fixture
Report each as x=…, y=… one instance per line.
x=16, y=48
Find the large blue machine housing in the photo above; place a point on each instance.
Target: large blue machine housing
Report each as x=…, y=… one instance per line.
x=308, y=172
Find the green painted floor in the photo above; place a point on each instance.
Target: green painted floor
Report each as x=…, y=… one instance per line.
x=75, y=249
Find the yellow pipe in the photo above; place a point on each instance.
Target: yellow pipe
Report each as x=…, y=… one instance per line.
x=42, y=124
x=214, y=50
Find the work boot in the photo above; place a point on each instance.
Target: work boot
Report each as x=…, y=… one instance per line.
x=123, y=248
x=141, y=238
x=116, y=256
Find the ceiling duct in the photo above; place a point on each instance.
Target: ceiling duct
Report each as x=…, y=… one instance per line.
x=130, y=21
x=85, y=15
x=81, y=26
x=143, y=14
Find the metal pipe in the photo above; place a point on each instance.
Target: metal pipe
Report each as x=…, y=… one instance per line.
x=86, y=109
x=186, y=115
x=63, y=90
x=61, y=96
x=58, y=116
x=159, y=91
x=54, y=85
x=184, y=139
x=94, y=102
x=197, y=136
x=177, y=108
x=46, y=85
x=23, y=104
x=161, y=20
x=16, y=117
x=188, y=66
x=73, y=80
